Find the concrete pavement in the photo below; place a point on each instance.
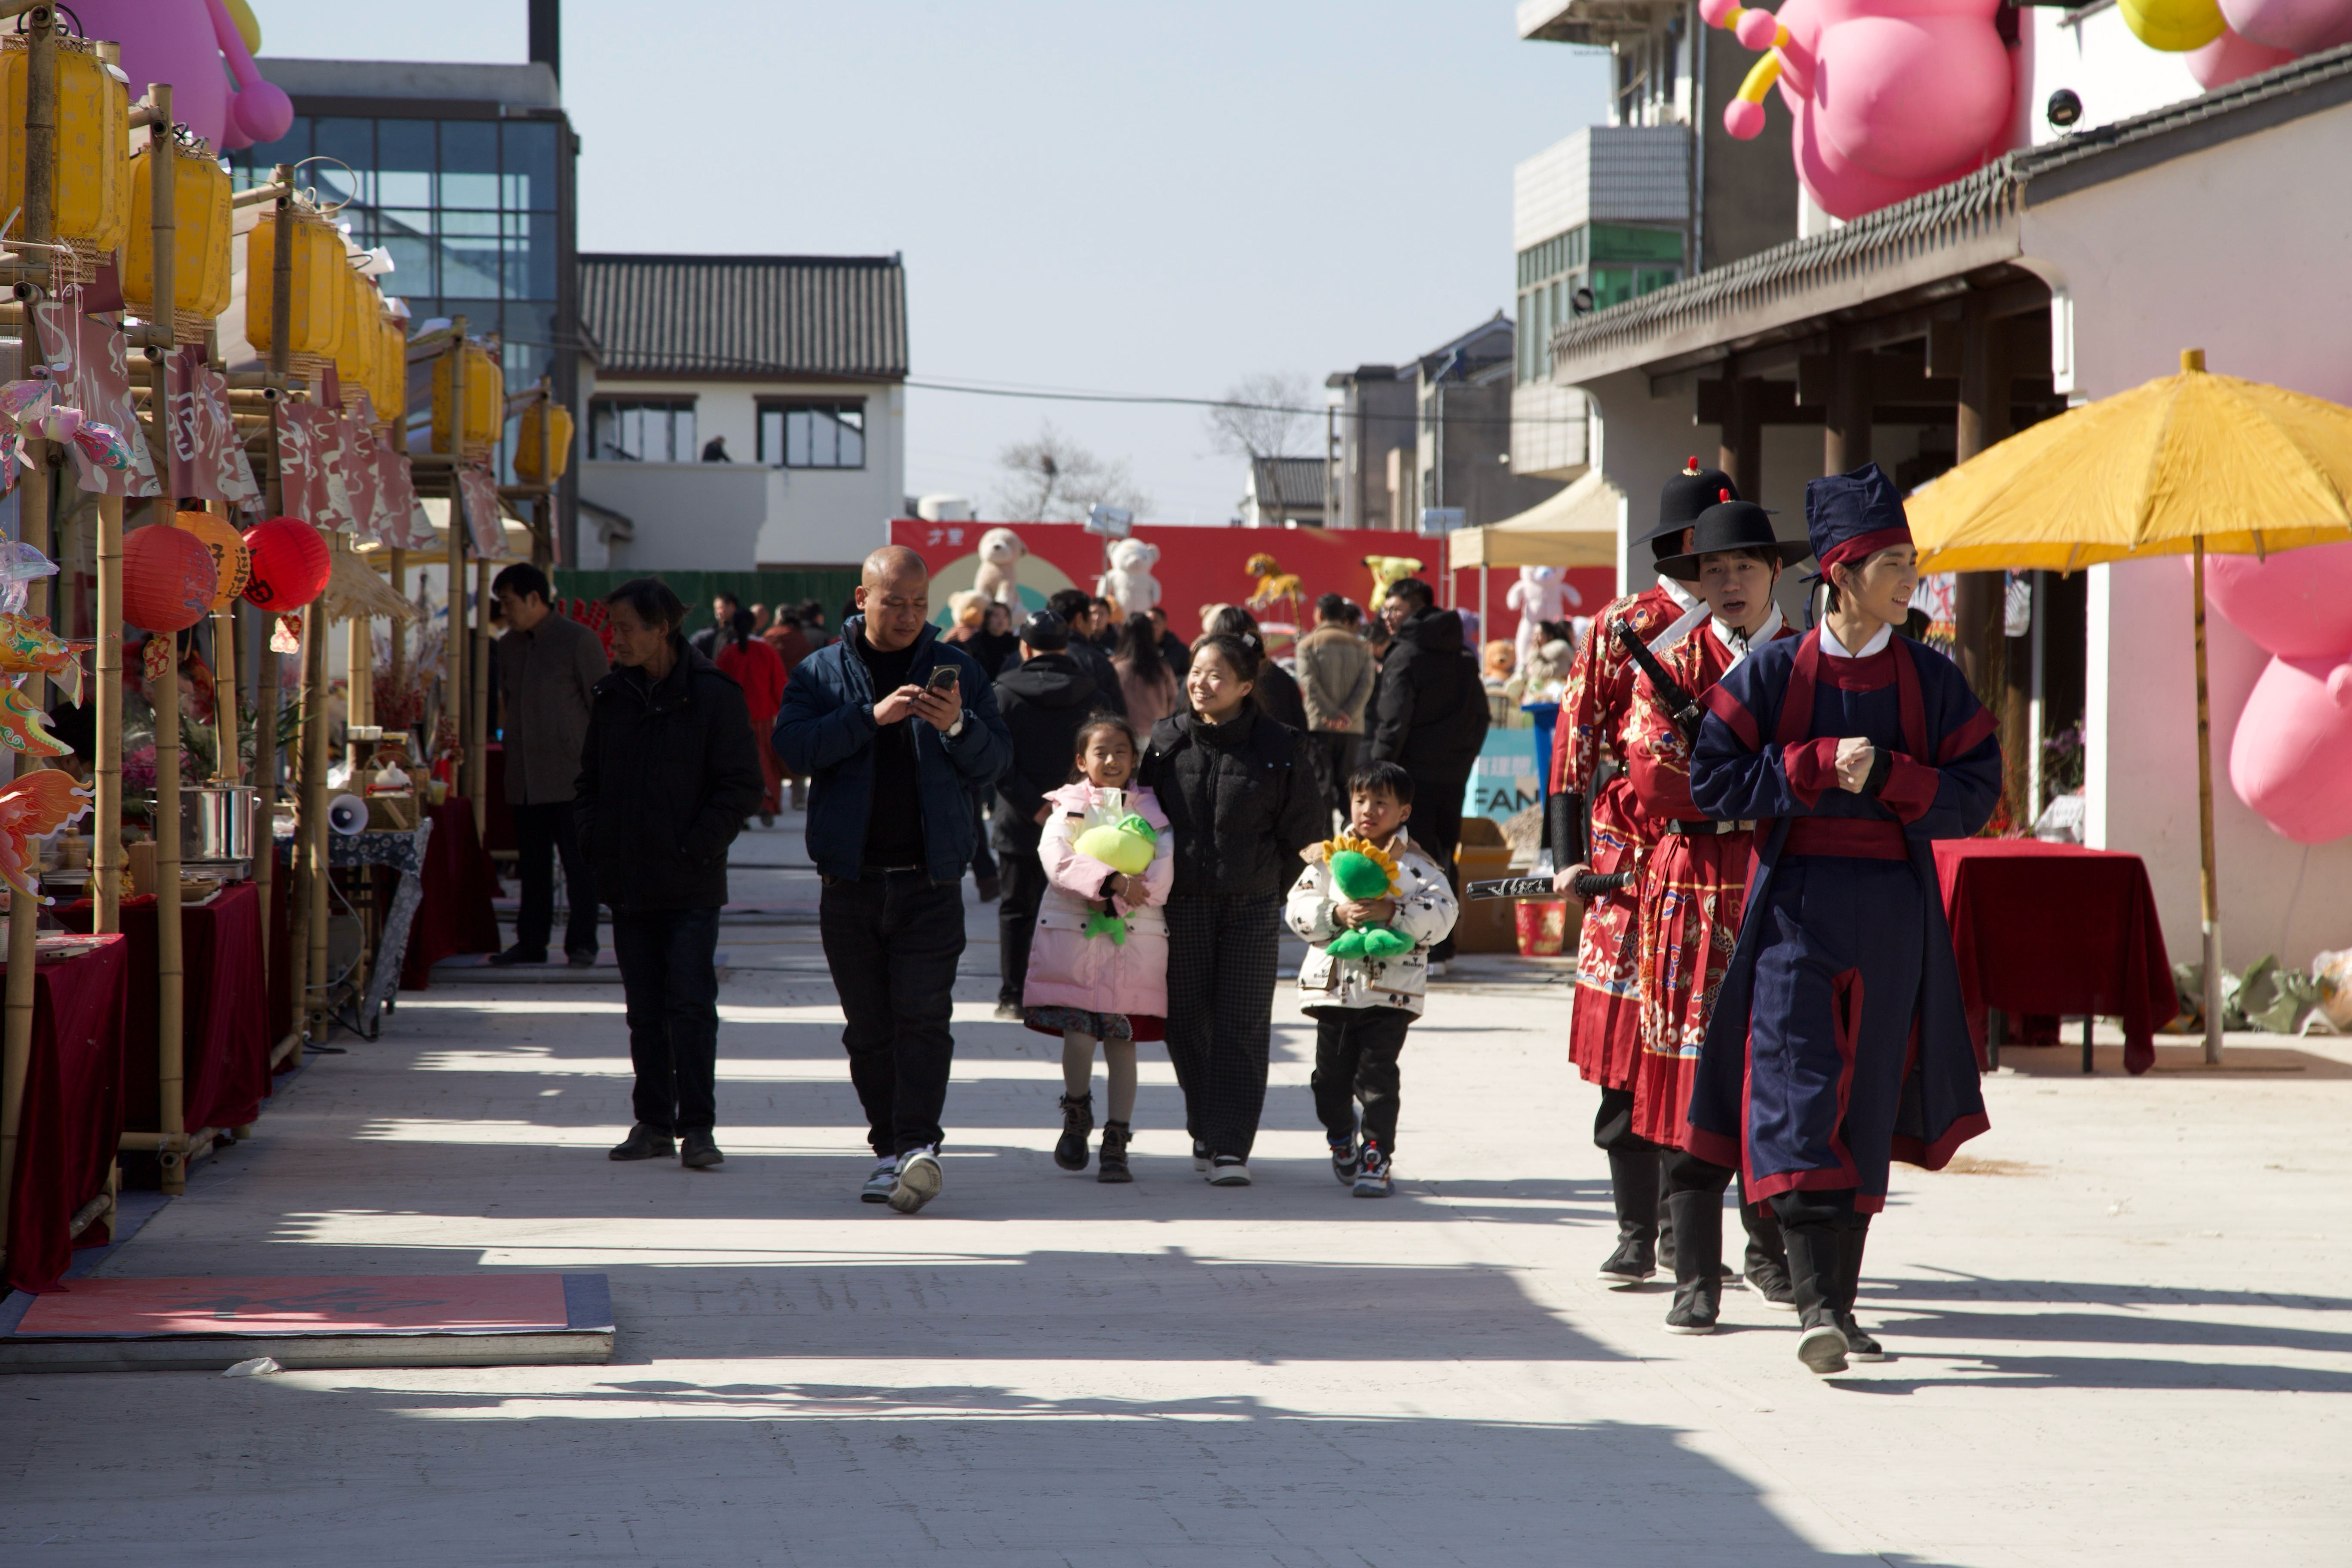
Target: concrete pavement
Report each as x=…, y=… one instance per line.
x=2119, y=1324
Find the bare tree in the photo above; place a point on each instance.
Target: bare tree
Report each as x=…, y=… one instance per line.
x=1263, y=418
x=1053, y=479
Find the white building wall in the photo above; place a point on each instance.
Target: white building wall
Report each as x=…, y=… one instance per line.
x=2268, y=307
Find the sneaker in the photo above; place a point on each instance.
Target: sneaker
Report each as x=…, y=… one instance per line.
x=1372, y=1173
x=644, y=1142
x=1078, y=1120
x=881, y=1182
x=581, y=958
x=1200, y=1156
x=1858, y=1344
x=919, y=1180
x=767, y=819
x=1344, y=1160
x=516, y=954
x=1009, y=1013
x=1823, y=1346
x=698, y=1151
x=1228, y=1171
x=1635, y=1261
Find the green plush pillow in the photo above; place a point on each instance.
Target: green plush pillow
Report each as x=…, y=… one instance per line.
x=1125, y=847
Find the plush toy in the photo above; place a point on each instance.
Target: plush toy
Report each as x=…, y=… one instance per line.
x=1130, y=584
x=1126, y=845
x=1541, y=594
x=1273, y=586
x=1362, y=871
x=1387, y=569
x=1001, y=551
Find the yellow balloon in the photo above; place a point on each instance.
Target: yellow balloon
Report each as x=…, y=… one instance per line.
x=241, y=15
x=2174, y=26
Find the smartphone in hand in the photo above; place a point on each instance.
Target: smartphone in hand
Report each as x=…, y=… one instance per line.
x=943, y=679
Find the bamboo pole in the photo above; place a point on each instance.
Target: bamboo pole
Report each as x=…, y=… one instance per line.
x=33, y=504
x=478, y=769
x=2208, y=901
x=399, y=672
x=265, y=718
x=453, y=645
x=106, y=854
x=314, y=810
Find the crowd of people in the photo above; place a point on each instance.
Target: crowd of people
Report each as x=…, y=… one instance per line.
x=1764, y=992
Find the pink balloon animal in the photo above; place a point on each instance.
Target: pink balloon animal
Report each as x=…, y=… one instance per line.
x=2291, y=759
x=1890, y=98
x=184, y=43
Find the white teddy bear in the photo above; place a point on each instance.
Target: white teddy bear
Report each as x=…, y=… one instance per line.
x=1541, y=594
x=1130, y=584
x=1000, y=550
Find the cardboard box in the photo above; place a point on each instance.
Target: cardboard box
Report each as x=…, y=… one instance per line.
x=1487, y=925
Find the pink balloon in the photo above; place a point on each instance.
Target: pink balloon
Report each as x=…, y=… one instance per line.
x=170, y=41
x=1756, y=29
x=2296, y=26
x=2230, y=57
x=1908, y=91
x=264, y=113
x=2297, y=604
x=2291, y=759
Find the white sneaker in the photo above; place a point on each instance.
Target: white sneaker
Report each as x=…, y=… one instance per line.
x=919, y=1180
x=879, y=1181
x=1200, y=1156
x=1437, y=968
x=1229, y=1171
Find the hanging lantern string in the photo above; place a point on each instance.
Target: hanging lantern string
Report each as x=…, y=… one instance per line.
x=310, y=193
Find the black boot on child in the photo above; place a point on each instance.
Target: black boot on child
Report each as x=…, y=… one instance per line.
x=1078, y=1120
x=1114, y=1153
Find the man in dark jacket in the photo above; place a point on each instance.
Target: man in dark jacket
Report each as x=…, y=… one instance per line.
x=894, y=729
x=1429, y=717
x=667, y=774
x=549, y=666
x=1045, y=698
x=1077, y=610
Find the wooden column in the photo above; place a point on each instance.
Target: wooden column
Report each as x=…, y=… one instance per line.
x=1845, y=429
x=1980, y=605
x=1740, y=452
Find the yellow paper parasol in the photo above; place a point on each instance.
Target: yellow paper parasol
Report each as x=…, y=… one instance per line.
x=2186, y=464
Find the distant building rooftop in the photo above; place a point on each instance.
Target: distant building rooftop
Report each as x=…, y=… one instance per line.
x=746, y=317
x=528, y=86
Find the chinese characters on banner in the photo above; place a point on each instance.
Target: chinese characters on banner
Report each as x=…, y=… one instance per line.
x=480, y=492
x=206, y=458
x=89, y=361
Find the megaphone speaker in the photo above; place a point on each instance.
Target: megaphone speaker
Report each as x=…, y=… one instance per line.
x=347, y=815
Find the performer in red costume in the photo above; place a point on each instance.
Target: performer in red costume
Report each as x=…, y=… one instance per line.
x=1593, y=819
x=1838, y=1041
x=1692, y=891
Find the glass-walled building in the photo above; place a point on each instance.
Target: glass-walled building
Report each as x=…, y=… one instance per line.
x=464, y=174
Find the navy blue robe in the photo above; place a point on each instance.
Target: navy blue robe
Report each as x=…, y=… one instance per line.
x=1839, y=1042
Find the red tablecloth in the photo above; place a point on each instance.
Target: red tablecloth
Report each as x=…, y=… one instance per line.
x=224, y=1061
x=73, y=1110
x=455, y=916
x=2055, y=928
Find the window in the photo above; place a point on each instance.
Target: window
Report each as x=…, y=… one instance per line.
x=812, y=435
x=641, y=430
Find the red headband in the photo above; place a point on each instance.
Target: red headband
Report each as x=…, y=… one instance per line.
x=1864, y=545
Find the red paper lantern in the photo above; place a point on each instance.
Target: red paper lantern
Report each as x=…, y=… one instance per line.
x=168, y=578
x=289, y=564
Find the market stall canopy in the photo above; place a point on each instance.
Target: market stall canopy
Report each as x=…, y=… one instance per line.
x=353, y=589
x=2252, y=468
x=1578, y=527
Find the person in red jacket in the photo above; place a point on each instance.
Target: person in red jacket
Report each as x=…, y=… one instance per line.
x=754, y=665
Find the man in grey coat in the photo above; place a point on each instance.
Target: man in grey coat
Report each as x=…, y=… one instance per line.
x=549, y=666
x=1335, y=683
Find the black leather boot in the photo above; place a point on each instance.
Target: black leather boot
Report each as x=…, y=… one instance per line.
x=1850, y=1237
x=1113, y=1166
x=1078, y=1120
x=1633, y=1181
x=1698, y=1248
x=644, y=1142
x=1814, y=1256
x=1665, y=1214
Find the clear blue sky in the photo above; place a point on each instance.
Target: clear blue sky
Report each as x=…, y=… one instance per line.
x=1101, y=197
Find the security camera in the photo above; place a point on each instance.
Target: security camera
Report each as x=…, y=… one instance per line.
x=2064, y=108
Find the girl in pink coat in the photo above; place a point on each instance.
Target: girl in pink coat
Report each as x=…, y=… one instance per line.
x=1098, y=967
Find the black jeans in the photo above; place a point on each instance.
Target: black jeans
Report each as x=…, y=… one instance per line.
x=1333, y=753
x=1016, y=917
x=1356, y=1058
x=983, y=863
x=892, y=940
x=1437, y=828
x=670, y=978
x=543, y=832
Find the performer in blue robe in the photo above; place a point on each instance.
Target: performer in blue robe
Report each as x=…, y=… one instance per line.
x=1838, y=1042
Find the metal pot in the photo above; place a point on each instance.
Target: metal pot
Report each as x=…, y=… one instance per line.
x=216, y=824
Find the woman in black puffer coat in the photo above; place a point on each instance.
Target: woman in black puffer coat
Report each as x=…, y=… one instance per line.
x=1242, y=804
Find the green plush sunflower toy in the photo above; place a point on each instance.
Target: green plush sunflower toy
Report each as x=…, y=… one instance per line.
x=1362, y=871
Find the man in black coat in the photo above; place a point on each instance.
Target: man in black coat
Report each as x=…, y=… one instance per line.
x=667, y=775
x=1075, y=610
x=1044, y=700
x=1429, y=717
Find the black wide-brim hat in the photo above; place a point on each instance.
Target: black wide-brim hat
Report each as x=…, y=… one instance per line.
x=1733, y=525
x=1685, y=496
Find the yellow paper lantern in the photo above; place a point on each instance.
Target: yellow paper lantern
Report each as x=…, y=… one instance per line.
x=317, y=295
x=530, y=465
x=485, y=402
x=93, y=142
x=231, y=560
x=200, y=235
x=362, y=340
x=392, y=373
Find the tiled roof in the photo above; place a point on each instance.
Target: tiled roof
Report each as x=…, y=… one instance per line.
x=746, y=316
x=1301, y=481
x=1958, y=218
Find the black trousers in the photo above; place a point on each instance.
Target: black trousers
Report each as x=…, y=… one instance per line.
x=669, y=981
x=983, y=861
x=1436, y=827
x=1332, y=755
x=1612, y=1124
x=1687, y=1173
x=1356, y=1053
x=542, y=834
x=892, y=940
x=1221, y=962
x=1016, y=917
